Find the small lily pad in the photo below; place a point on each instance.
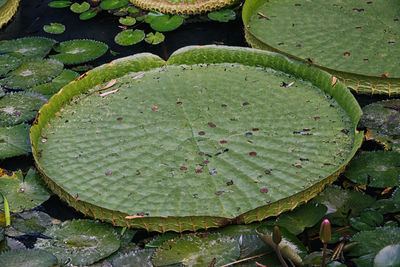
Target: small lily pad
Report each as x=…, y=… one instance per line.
x=368, y=220
x=79, y=8
x=87, y=15
x=27, y=257
x=31, y=222
x=166, y=23
x=24, y=193
x=32, y=73
x=129, y=37
x=19, y=107
x=197, y=250
x=377, y=169
x=154, y=38
x=385, y=206
x=82, y=241
x=389, y=256
x=304, y=216
x=127, y=21
x=79, y=51
x=54, y=28
x=8, y=63
x=14, y=141
x=223, y=15
x=59, y=4
x=28, y=47
x=113, y=4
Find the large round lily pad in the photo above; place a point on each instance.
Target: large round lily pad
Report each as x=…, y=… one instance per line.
x=333, y=35
x=179, y=145
x=28, y=47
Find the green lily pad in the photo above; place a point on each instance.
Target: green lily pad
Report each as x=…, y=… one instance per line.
x=27, y=257
x=368, y=220
x=32, y=73
x=129, y=37
x=304, y=216
x=134, y=258
x=31, y=222
x=54, y=28
x=240, y=166
x=14, y=141
x=79, y=51
x=160, y=239
x=197, y=250
x=24, y=193
x=87, y=15
x=28, y=47
x=166, y=23
x=377, y=169
x=52, y=87
x=8, y=63
x=382, y=120
x=371, y=242
x=113, y=4
x=385, y=206
x=128, y=21
x=59, y=4
x=82, y=241
x=133, y=10
x=79, y=8
x=389, y=256
x=154, y=38
x=223, y=15
x=319, y=32
x=19, y=107
x=340, y=203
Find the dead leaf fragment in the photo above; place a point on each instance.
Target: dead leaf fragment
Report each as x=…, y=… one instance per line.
x=109, y=92
x=334, y=81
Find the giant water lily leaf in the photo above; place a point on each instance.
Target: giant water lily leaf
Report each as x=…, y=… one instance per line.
x=197, y=250
x=7, y=10
x=377, y=169
x=28, y=47
x=79, y=51
x=27, y=258
x=202, y=158
x=16, y=108
x=32, y=73
x=23, y=193
x=382, y=120
x=14, y=141
x=82, y=241
x=8, y=63
x=320, y=32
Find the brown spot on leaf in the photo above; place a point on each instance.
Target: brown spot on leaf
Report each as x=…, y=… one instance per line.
x=183, y=168
x=264, y=190
x=202, y=133
x=219, y=193
x=346, y=54
x=198, y=171
x=154, y=108
x=223, y=141
x=229, y=183
x=212, y=125
x=253, y=153
x=267, y=171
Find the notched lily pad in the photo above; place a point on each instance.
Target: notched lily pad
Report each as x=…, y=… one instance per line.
x=166, y=23
x=377, y=169
x=79, y=8
x=127, y=21
x=14, y=141
x=197, y=250
x=223, y=15
x=28, y=47
x=82, y=241
x=129, y=37
x=27, y=257
x=87, y=15
x=154, y=38
x=54, y=28
x=8, y=63
x=79, y=51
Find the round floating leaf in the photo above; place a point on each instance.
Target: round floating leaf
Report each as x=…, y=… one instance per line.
x=24, y=193
x=8, y=63
x=27, y=258
x=154, y=38
x=82, y=241
x=54, y=28
x=129, y=37
x=319, y=32
x=223, y=15
x=304, y=216
x=87, y=15
x=243, y=157
x=32, y=73
x=197, y=250
x=134, y=258
x=14, y=141
x=32, y=222
x=79, y=51
x=113, y=4
x=389, y=256
x=19, y=107
x=382, y=120
x=385, y=206
x=371, y=242
x=48, y=89
x=368, y=220
x=376, y=169
x=28, y=47
x=79, y=8
x=166, y=23
x=59, y=4
x=128, y=21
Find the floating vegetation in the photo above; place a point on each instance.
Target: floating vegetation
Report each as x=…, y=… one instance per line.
x=113, y=4
x=54, y=28
x=136, y=257
x=79, y=51
x=87, y=15
x=59, y=4
x=30, y=222
x=32, y=73
x=14, y=141
x=162, y=22
x=27, y=257
x=8, y=63
x=154, y=38
x=79, y=8
x=223, y=15
x=127, y=21
x=28, y=47
x=129, y=37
